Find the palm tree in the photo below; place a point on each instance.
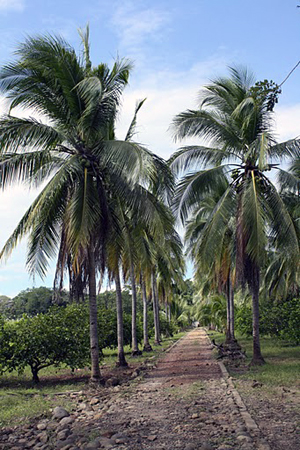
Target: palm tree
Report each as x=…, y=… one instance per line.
x=218, y=275
x=73, y=148
x=235, y=118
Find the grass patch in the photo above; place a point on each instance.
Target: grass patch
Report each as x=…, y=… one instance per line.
x=21, y=400
x=20, y=407
x=282, y=366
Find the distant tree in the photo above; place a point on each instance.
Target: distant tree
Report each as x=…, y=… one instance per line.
x=5, y=305
x=34, y=301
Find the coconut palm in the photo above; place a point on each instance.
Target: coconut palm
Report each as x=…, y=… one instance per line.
x=72, y=147
x=236, y=121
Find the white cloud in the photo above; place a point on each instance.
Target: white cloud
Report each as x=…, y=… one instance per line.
x=14, y=5
x=288, y=122
x=136, y=27
x=62, y=26
x=167, y=94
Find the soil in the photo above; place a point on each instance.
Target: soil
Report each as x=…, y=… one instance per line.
x=182, y=403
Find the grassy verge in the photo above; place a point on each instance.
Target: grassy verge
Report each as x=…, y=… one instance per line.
x=21, y=401
x=282, y=366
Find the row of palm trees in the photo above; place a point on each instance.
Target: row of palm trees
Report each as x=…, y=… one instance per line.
x=238, y=224
x=103, y=205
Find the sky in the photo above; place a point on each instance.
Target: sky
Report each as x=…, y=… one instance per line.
x=176, y=47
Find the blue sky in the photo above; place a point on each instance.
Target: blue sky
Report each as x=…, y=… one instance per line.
x=176, y=47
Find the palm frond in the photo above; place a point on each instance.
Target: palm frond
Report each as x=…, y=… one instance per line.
x=83, y=212
x=31, y=167
x=254, y=218
x=18, y=134
x=209, y=125
x=286, y=150
x=288, y=180
x=193, y=187
x=192, y=156
x=281, y=224
x=212, y=236
x=132, y=127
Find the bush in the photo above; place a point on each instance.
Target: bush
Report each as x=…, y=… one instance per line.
x=291, y=312
x=275, y=319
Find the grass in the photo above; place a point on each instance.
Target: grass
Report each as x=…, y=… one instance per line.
x=21, y=400
x=282, y=366
x=19, y=407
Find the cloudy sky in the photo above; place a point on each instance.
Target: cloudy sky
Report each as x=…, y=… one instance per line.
x=176, y=47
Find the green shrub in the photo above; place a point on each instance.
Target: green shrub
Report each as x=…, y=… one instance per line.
x=275, y=319
x=291, y=312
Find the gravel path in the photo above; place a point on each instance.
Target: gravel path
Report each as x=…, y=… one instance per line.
x=184, y=403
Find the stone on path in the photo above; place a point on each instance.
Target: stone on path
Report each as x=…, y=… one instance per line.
x=59, y=413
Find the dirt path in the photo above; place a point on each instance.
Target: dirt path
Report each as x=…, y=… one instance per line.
x=183, y=403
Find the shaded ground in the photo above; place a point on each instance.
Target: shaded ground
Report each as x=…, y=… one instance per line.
x=183, y=403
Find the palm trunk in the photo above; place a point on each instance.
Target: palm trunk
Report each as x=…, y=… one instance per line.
x=155, y=310
x=169, y=313
x=228, y=314
x=94, y=343
x=166, y=309
x=231, y=317
x=120, y=330
x=135, y=348
x=147, y=346
x=230, y=337
x=257, y=358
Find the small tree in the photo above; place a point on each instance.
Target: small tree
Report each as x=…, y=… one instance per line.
x=58, y=337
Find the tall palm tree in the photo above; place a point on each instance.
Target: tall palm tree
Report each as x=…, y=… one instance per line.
x=72, y=147
x=235, y=119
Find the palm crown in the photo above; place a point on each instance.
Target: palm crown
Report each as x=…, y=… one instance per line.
x=73, y=146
